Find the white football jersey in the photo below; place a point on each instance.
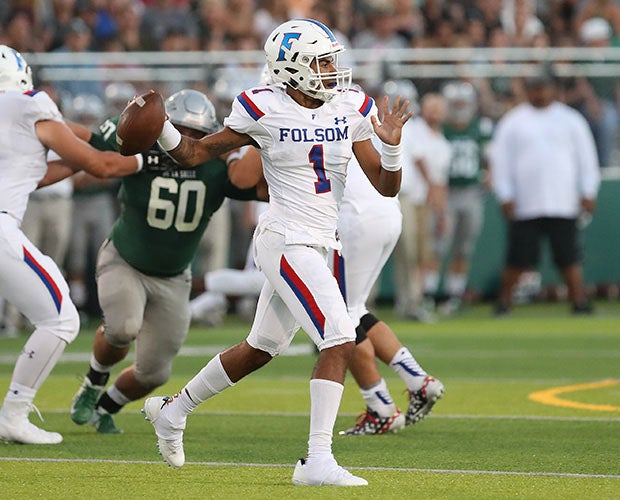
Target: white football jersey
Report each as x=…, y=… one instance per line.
x=305, y=153
x=22, y=156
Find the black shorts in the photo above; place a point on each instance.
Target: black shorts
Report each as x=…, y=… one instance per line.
x=525, y=236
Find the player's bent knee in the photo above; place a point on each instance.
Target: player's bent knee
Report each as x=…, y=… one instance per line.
x=66, y=326
x=154, y=379
x=121, y=335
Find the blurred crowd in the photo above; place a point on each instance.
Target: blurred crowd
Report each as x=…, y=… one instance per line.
x=73, y=26
x=146, y=25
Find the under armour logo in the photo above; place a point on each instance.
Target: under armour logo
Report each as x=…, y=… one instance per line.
x=339, y=120
x=30, y=354
x=152, y=160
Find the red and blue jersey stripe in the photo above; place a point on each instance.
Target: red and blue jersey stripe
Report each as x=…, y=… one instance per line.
x=252, y=109
x=32, y=92
x=303, y=294
x=47, y=280
x=366, y=106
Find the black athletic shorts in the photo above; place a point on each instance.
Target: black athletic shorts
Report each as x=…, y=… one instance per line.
x=525, y=237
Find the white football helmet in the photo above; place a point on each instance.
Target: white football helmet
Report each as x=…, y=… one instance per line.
x=15, y=74
x=294, y=46
x=462, y=101
x=405, y=89
x=192, y=109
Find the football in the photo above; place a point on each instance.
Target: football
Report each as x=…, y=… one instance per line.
x=140, y=123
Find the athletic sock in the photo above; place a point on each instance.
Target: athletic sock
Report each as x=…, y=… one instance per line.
x=211, y=380
x=325, y=396
x=407, y=368
x=378, y=399
x=98, y=374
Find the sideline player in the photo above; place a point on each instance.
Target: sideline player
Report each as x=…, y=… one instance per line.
x=30, y=124
x=306, y=129
x=143, y=268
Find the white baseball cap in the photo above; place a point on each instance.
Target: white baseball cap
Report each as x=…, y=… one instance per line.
x=594, y=29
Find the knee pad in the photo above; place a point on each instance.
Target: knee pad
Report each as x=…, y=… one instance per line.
x=368, y=321
x=360, y=334
x=121, y=335
x=155, y=378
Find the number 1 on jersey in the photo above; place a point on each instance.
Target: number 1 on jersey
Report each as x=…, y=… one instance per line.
x=323, y=185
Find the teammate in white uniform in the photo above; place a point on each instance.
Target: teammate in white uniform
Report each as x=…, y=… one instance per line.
x=306, y=131
x=30, y=124
x=369, y=226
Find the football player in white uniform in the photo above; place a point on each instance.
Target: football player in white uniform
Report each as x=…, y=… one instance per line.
x=369, y=226
x=306, y=128
x=30, y=124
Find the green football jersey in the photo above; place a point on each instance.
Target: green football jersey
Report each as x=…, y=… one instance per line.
x=468, y=147
x=164, y=213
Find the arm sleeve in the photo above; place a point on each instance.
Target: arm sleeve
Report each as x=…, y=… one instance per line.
x=587, y=160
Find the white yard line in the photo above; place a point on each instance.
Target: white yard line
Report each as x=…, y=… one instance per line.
x=387, y=469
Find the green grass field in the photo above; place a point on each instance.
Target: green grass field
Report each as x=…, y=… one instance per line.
x=485, y=439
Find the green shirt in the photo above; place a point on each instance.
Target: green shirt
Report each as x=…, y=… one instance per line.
x=468, y=147
x=164, y=213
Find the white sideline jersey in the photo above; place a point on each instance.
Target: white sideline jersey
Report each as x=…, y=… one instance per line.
x=22, y=156
x=305, y=153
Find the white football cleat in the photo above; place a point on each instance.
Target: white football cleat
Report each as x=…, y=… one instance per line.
x=169, y=436
x=328, y=473
x=16, y=428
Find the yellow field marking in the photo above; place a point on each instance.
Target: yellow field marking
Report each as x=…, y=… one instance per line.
x=550, y=396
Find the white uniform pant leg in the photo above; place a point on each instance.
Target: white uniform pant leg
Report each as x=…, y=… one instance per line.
x=34, y=284
x=300, y=291
x=368, y=239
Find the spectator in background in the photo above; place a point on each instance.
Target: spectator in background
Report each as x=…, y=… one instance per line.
x=609, y=10
x=128, y=16
x=380, y=37
x=599, y=95
x=519, y=21
x=545, y=174
x=77, y=40
x=162, y=16
x=58, y=19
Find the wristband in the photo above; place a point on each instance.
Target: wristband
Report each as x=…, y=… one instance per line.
x=170, y=137
x=235, y=155
x=391, y=157
x=140, y=161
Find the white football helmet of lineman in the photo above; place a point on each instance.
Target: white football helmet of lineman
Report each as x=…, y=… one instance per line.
x=192, y=109
x=293, y=46
x=15, y=74
x=462, y=101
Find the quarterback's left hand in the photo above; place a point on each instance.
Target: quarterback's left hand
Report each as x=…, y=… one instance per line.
x=390, y=122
